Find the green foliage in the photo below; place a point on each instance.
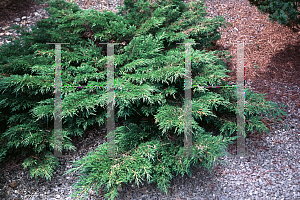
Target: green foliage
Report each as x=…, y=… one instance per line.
x=283, y=11
x=41, y=167
x=149, y=82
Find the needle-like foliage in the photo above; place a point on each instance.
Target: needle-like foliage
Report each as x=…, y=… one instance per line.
x=149, y=83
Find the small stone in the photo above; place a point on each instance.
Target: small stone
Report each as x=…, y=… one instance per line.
x=40, y=10
x=119, y=189
x=13, y=184
x=24, y=17
x=1, y=34
x=17, y=19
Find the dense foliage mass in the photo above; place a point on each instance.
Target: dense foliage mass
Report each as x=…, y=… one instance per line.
x=149, y=82
x=285, y=12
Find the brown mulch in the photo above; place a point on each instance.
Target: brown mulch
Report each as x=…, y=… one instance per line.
x=275, y=49
x=277, y=54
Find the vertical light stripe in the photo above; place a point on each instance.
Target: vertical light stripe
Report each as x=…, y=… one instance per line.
x=187, y=103
x=58, y=137
x=188, y=136
x=240, y=101
x=110, y=101
x=58, y=104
